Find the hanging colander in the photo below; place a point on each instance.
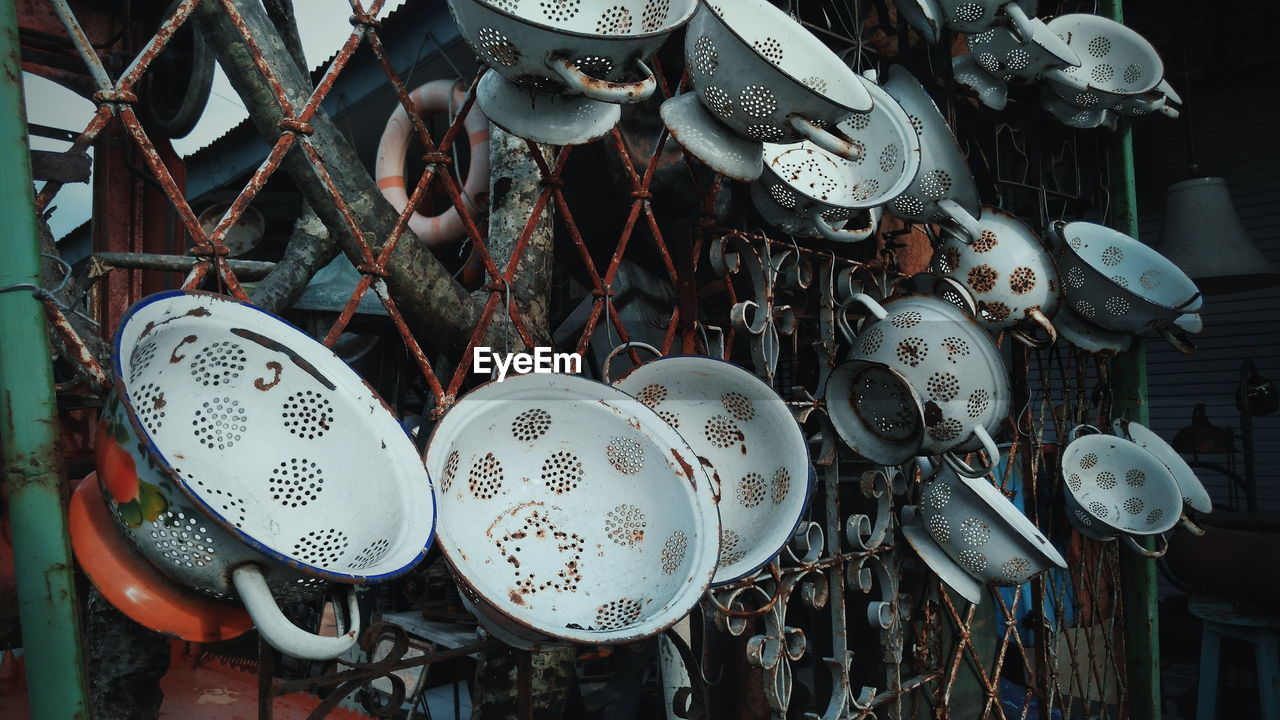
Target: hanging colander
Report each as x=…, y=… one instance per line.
x=1115, y=488
x=758, y=76
x=1001, y=55
x=875, y=411
x=1118, y=283
x=1193, y=492
x=1116, y=63
x=561, y=67
x=1013, y=279
x=983, y=532
x=244, y=459
x=943, y=173
x=937, y=559
x=571, y=512
x=975, y=16
x=747, y=440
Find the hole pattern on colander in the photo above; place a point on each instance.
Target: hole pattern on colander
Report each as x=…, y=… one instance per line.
x=866, y=189
x=937, y=496
x=751, y=489
x=531, y=424
x=568, y=544
x=1085, y=518
x=947, y=260
x=908, y=319
x=321, y=547
x=973, y=561
x=625, y=525
x=1089, y=460
x=1154, y=516
x=729, y=552
x=1102, y=73
x=1015, y=569
x=1085, y=308
x=889, y=157
x=1075, y=482
x=1106, y=480
x=450, y=471
x=149, y=404
x=597, y=66
x=783, y=196
x=989, y=62
x=498, y=48
x=908, y=205
x=1134, y=505
x=670, y=417
x=296, y=481
x=1112, y=256
x=625, y=454
x=486, y=477
x=947, y=430
x=372, y=553
x=983, y=37
x=1017, y=59
x=935, y=183
x=722, y=431
x=985, y=242
x=182, y=540
x=705, y=58
x=140, y=359
x=718, y=100
x=559, y=10
x=770, y=48
x=1099, y=46
x=218, y=363
x=738, y=405
x=1022, y=280
x=562, y=471
x=1085, y=100
x=994, y=311
x=1099, y=510
x=673, y=551
x=975, y=532
x=1133, y=73
x=615, y=20
x=1120, y=280
x=1135, y=478
x=1150, y=279
x=916, y=124
x=508, y=5
x=233, y=508
x=911, y=351
x=652, y=395
x=1075, y=278
x=1117, y=306
x=654, y=15
x=943, y=387
x=220, y=423
x=983, y=278
x=978, y=402
x=835, y=215
x=968, y=12
x=955, y=348
x=757, y=101
x=764, y=132
x=781, y=485
x=617, y=614
x=939, y=529
x=299, y=590
x=307, y=414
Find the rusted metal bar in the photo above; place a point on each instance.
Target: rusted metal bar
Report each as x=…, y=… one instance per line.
x=246, y=269
x=33, y=470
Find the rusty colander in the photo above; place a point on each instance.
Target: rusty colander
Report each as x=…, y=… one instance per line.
x=562, y=67
x=571, y=512
x=746, y=438
x=759, y=76
x=247, y=461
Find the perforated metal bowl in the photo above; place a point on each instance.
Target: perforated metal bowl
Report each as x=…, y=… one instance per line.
x=1116, y=62
x=943, y=173
x=974, y=16
x=1119, y=283
x=1117, y=484
x=758, y=76
x=983, y=532
x=235, y=442
x=1193, y=492
x=745, y=436
x=1002, y=55
x=570, y=512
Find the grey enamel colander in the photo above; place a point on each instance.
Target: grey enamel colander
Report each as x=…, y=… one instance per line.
x=1116, y=63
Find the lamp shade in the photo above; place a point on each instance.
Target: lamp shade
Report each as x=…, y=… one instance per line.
x=1202, y=235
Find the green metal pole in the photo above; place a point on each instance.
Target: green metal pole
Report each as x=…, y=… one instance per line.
x=1129, y=399
x=33, y=469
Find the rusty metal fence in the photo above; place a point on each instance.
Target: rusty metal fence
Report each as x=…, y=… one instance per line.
x=848, y=622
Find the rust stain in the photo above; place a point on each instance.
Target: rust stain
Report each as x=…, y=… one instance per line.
x=174, y=357
x=686, y=468
x=274, y=367
x=515, y=597
x=297, y=359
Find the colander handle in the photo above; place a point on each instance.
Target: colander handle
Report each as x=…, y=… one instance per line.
x=1081, y=430
x=870, y=304
x=963, y=469
x=1162, y=546
x=960, y=216
x=276, y=629
x=825, y=140
x=1189, y=525
x=608, y=359
x=1179, y=340
x=618, y=93
x=845, y=236
x=1039, y=318
x=1033, y=30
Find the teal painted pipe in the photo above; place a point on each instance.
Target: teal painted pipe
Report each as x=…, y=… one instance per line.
x=33, y=468
x=1139, y=588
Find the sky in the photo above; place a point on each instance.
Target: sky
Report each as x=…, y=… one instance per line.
x=324, y=28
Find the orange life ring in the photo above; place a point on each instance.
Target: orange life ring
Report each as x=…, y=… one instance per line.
x=437, y=96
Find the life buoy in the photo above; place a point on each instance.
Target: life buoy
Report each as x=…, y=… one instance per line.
x=437, y=96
